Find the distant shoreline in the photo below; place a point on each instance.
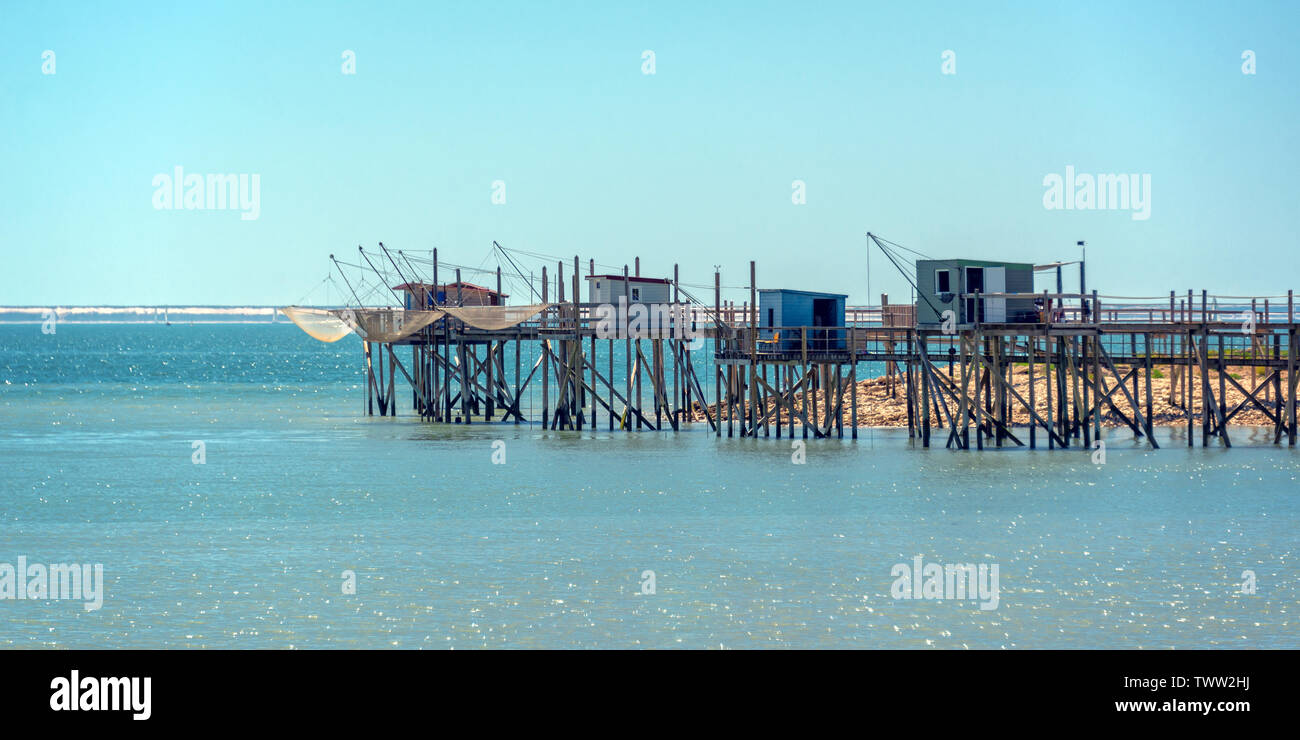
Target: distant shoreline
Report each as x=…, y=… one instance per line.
x=191, y=314
x=118, y=322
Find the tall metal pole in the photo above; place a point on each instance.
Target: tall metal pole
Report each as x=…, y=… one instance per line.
x=378, y=273
x=345, y=280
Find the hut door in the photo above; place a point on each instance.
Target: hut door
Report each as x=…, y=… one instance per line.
x=823, y=315
x=974, y=284
x=995, y=281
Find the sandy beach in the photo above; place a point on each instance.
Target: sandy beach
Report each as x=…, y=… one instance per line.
x=878, y=407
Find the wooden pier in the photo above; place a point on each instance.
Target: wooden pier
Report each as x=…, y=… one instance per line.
x=1086, y=358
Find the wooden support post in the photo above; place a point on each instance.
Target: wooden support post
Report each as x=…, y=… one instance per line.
x=978, y=362
x=627, y=339
x=778, y=397
x=490, y=400
x=1204, y=358
x=392, y=381
x=921, y=344
x=1277, y=389
x=717, y=345
x=815, y=376
x=839, y=401
x=381, y=388
x=1188, y=398
x=1150, y=411
x=807, y=380
x=1047, y=384
x=731, y=400
x=546, y=355
x=370, y=379
x=1222, y=400
x=1254, y=345
x=679, y=326
x=1076, y=367
x=1086, y=407
x=579, y=362
x=1096, y=377
x=962, y=412
x=464, y=381
x=1031, y=343
x=752, y=320
x=911, y=413
x=762, y=402
x=561, y=352
x=1133, y=352
x=891, y=367
x=998, y=394
x=636, y=375
x=790, y=383
x=853, y=385
x=1062, y=388
x=1292, y=347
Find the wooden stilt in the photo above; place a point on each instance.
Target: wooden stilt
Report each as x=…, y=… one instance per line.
x=1030, y=342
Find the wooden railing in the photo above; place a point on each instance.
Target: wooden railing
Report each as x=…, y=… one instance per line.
x=1049, y=308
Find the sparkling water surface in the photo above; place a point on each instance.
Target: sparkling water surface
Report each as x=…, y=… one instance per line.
x=548, y=550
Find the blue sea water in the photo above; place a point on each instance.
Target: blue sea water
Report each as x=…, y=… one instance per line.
x=551, y=549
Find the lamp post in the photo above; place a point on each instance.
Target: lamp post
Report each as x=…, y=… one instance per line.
x=1083, y=283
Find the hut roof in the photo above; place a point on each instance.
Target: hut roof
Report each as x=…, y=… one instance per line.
x=631, y=279
x=449, y=286
x=804, y=292
x=966, y=262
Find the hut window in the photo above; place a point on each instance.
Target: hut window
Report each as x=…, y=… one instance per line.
x=942, y=282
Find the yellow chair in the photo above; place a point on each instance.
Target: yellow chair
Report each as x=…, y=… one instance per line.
x=775, y=341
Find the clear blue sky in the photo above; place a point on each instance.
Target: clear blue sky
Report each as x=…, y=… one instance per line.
x=693, y=164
